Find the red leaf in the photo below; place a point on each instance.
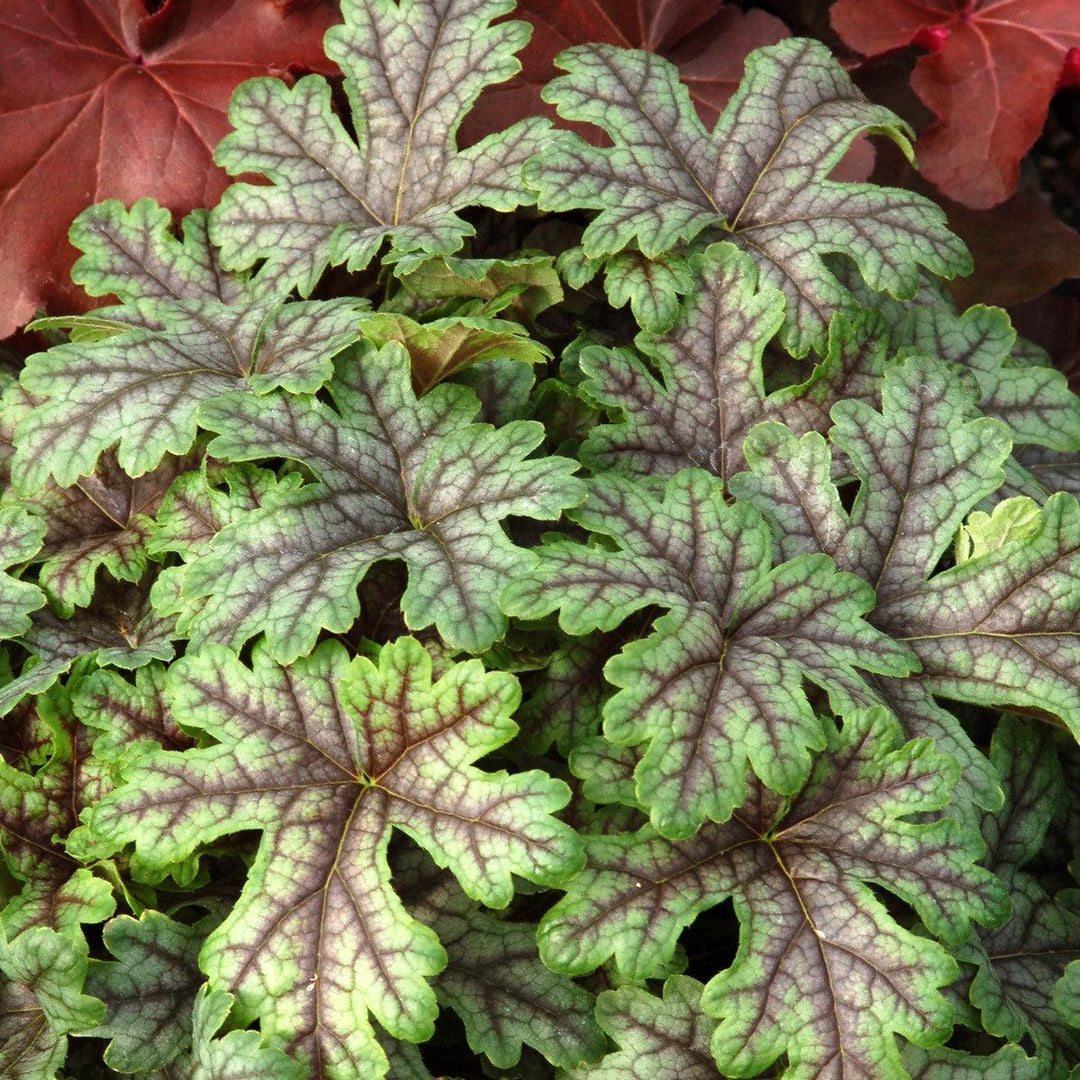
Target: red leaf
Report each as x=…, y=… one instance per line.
x=708, y=39
x=994, y=67
x=121, y=99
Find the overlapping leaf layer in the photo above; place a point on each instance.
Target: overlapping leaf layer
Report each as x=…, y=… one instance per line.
x=416, y=666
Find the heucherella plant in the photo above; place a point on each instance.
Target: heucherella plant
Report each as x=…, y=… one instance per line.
x=418, y=664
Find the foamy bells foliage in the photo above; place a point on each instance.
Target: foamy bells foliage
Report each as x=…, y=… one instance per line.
x=420, y=681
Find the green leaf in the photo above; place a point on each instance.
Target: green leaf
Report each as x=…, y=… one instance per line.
x=38, y=811
x=20, y=539
x=719, y=685
x=412, y=71
x=761, y=176
x=324, y=758
x=41, y=1002
x=1034, y=400
x=495, y=982
x=140, y=391
x=149, y=990
x=118, y=629
x=521, y=288
x=400, y=478
x=823, y=970
x=1021, y=963
x=1000, y=629
x=938, y=1063
x=100, y=522
x=1011, y=519
x=658, y=1039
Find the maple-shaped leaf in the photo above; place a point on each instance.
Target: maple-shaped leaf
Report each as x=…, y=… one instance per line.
x=940, y=1063
x=719, y=684
x=1021, y=963
x=992, y=68
x=658, y=1039
x=106, y=99
x=148, y=990
x=140, y=391
x=824, y=973
x=1033, y=398
x=325, y=757
x=20, y=539
x=412, y=71
x=399, y=478
x=494, y=979
x=760, y=178
x=708, y=39
x=996, y=630
x=41, y=1002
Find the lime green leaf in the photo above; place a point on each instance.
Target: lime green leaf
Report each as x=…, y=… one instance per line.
x=412, y=72
x=761, y=175
x=400, y=478
x=823, y=970
x=1011, y=519
x=324, y=758
x=719, y=685
x=658, y=1039
x=521, y=288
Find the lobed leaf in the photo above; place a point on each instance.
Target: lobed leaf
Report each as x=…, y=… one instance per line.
x=140, y=391
x=400, y=478
x=412, y=71
x=325, y=758
x=761, y=175
x=823, y=971
x=719, y=684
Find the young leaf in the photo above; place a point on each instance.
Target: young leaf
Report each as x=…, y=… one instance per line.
x=400, y=478
x=658, y=1039
x=140, y=391
x=989, y=80
x=324, y=758
x=149, y=990
x=412, y=71
x=761, y=175
x=108, y=100
x=823, y=971
x=20, y=539
x=41, y=1002
x=118, y=629
x=439, y=348
x=101, y=521
x=719, y=685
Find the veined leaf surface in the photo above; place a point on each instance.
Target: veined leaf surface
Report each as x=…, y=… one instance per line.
x=325, y=757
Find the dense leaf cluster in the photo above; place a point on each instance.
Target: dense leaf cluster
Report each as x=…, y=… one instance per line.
x=432, y=667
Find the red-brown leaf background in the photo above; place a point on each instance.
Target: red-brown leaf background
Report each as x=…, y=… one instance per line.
x=121, y=99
